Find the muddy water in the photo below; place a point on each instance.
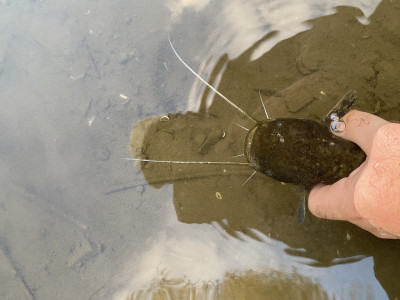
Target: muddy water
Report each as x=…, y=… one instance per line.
x=79, y=222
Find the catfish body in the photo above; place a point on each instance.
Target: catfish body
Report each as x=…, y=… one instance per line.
x=300, y=151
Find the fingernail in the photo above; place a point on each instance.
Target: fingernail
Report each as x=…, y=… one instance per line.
x=337, y=125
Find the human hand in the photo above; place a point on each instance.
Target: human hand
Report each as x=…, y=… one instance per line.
x=370, y=196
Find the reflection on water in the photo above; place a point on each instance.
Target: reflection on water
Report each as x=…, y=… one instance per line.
x=204, y=262
x=236, y=24
x=243, y=23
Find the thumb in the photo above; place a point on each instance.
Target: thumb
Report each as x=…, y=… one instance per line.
x=335, y=201
x=361, y=128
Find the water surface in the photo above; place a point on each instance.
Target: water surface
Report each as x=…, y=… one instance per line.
x=79, y=222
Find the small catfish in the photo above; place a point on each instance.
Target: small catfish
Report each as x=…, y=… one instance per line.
x=294, y=150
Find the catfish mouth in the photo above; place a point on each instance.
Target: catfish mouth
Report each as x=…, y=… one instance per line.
x=247, y=145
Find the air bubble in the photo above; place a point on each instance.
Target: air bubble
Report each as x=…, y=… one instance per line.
x=164, y=119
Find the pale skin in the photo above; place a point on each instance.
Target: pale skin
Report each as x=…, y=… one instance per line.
x=370, y=196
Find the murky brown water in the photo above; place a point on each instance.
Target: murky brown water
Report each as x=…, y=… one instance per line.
x=79, y=222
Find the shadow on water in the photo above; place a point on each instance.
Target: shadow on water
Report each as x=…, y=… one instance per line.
x=303, y=76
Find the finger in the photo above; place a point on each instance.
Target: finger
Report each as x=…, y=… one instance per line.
x=334, y=201
x=361, y=128
x=323, y=202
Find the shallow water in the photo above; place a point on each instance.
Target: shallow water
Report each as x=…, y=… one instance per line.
x=79, y=222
